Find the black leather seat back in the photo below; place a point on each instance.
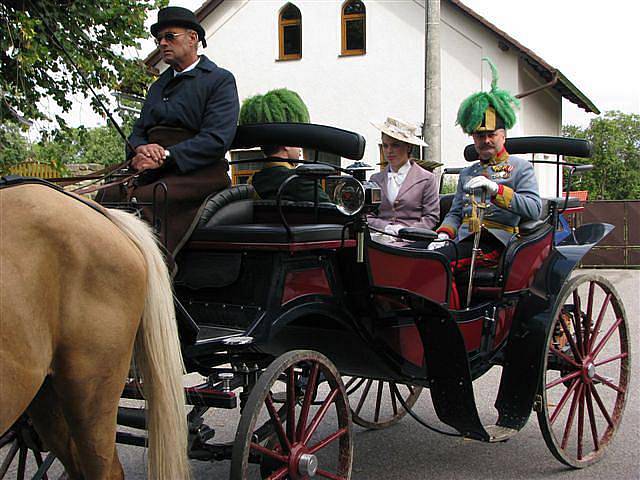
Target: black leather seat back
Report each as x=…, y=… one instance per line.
x=228, y=207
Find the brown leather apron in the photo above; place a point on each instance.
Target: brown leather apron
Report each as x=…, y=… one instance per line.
x=185, y=191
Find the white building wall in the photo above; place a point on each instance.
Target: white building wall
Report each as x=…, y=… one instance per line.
x=352, y=91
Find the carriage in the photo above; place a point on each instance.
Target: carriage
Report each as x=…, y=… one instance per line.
x=298, y=315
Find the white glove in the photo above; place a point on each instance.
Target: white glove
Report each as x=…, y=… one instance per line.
x=482, y=182
x=393, y=229
x=441, y=242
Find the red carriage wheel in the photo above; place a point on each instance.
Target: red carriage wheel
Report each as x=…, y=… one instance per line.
x=19, y=443
x=374, y=403
x=586, y=371
x=299, y=438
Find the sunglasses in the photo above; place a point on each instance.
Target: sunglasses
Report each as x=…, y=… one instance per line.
x=169, y=37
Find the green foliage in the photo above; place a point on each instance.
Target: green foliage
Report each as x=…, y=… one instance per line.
x=14, y=147
x=280, y=105
x=616, y=157
x=58, y=148
x=473, y=107
x=94, y=33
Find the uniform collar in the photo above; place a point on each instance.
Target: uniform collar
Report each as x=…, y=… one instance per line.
x=278, y=162
x=497, y=159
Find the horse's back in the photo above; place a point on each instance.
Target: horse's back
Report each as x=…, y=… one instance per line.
x=72, y=289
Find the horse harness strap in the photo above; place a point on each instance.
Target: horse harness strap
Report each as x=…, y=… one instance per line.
x=17, y=180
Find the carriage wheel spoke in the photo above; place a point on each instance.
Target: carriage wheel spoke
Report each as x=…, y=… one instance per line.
x=365, y=393
x=40, y=473
x=606, y=382
x=577, y=324
x=606, y=338
x=22, y=462
x=357, y=386
x=13, y=450
x=564, y=357
x=572, y=414
x=615, y=357
x=592, y=419
x=598, y=324
x=588, y=317
x=308, y=399
x=275, y=418
x=268, y=452
x=561, y=380
x=320, y=415
x=394, y=405
x=291, y=407
x=569, y=337
x=580, y=422
x=600, y=403
x=279, y=474
x=326, y=441
x=563, y=401
x=325, y=474
x=378, y=400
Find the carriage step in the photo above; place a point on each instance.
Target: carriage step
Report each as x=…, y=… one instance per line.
x=499, y=434
x=130, y=439
x=203, y=395
x=132, y=417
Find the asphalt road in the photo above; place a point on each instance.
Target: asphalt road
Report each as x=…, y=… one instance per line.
x=408, y=451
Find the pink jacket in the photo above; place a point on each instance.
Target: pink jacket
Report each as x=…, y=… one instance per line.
x=417, y=203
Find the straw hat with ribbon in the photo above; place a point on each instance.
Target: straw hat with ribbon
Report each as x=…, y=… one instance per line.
x=401, y=130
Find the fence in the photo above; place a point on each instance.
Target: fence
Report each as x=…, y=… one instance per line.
x=621, y=248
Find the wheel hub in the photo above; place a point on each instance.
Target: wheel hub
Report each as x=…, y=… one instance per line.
x=308, y=465
x=590, y=370
x=302, y=464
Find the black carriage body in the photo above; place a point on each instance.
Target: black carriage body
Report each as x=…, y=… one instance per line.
x=394, y=316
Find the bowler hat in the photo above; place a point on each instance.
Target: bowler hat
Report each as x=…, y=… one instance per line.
x=178, y=17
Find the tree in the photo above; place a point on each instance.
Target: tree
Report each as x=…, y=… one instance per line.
x=63, y=146
x=95, y=34
x=616, y=156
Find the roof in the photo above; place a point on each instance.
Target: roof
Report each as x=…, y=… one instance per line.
x=563, y=85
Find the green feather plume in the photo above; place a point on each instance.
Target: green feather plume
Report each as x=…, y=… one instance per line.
x=275, y=106
x=473, y=107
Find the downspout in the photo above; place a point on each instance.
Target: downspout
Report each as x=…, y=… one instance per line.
x=431, y=129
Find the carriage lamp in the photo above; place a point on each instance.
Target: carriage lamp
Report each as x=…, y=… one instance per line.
x=349, y=196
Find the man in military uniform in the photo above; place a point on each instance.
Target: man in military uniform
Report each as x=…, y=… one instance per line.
x=507, y=183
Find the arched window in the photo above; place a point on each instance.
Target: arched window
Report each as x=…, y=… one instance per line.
x=290, y=32
x=354, y=27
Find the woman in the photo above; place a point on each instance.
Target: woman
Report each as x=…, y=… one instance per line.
x=409, y=192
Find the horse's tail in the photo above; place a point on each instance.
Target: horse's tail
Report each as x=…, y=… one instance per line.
x=158, y=359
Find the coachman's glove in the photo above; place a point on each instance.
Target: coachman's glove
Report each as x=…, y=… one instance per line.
x=482, y=182
x=441, y=242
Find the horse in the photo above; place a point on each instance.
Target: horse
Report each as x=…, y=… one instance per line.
x=83, y=289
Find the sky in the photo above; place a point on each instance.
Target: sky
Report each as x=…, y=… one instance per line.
x=593, y=43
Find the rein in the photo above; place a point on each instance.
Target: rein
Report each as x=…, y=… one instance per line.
x=96, y=177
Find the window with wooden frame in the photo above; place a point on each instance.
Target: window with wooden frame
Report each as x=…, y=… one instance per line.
x=354, y=28
x=290, y=33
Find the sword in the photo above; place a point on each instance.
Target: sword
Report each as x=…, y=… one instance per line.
x=476, y=241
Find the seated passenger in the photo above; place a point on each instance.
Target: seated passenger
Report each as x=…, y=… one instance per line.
x=280, y=106
x=510, y=183
x=277, y=169
x=409, y=192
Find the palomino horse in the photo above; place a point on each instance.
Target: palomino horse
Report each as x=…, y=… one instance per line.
x=77, y=289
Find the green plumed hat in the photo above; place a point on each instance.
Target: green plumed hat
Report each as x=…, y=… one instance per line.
x=488, y=111
x=275, y=106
